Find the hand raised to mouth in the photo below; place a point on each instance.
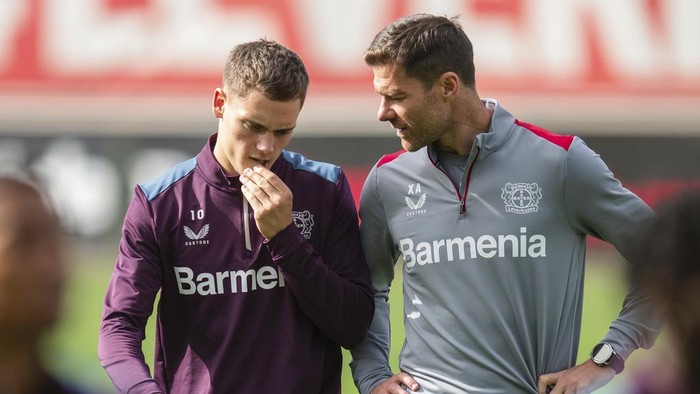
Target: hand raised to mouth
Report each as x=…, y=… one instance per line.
x=270, y=198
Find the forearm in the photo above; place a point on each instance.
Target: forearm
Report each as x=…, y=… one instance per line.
x=132, y=376
x=638, y=324
x=128, y=303
x=340, y=306
x=120, y=354
x=370, y=358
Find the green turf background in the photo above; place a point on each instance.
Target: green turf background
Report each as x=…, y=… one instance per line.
x=71, y=349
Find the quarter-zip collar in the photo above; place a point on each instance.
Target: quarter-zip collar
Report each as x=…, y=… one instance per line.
x=500, y=129
x=211, y=170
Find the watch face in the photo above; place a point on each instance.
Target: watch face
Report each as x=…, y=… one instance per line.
x=602, y=356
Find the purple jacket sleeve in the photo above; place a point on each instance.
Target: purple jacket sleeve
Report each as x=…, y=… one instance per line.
x=332, y=289
x=129, y=302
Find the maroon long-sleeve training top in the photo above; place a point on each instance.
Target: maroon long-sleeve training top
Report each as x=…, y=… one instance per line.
x=237, y=313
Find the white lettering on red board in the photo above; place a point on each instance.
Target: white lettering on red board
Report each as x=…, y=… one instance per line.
x=183, y=36
x=519, y=41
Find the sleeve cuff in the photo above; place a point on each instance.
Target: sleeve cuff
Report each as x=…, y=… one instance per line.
x=285, y=242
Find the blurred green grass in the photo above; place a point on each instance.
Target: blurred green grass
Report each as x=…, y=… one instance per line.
x=71, y=350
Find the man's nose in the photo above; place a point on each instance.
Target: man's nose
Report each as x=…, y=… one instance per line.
x=385, y=112
x=266, y=143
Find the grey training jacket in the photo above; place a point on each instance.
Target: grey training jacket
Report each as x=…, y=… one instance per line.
x=493, y=268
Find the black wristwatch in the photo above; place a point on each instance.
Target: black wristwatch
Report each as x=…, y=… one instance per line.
x=604, y=355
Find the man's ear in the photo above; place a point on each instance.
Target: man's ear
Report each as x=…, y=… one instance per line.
x=449, y=85
x=218, y=103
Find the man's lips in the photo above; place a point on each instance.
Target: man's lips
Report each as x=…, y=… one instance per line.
x=400, y=131
x=263, y=163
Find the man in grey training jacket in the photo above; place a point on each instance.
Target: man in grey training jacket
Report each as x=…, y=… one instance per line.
x=490, y=215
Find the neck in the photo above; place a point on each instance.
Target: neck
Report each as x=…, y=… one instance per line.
x=220, y=157
x=471, y=119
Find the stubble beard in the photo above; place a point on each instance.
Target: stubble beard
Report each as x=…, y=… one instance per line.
x=409, y=146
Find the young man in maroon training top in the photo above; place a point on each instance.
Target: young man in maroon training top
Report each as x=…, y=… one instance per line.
x=254, y=249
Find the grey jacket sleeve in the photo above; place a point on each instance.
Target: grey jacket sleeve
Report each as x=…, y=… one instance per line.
x=598, y=205
x=370, y=358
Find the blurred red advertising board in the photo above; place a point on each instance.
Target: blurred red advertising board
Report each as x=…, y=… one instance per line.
x=548, y=48
x=646, y=46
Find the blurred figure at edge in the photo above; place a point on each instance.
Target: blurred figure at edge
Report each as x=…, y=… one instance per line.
x=32, y=282
x=669, y=266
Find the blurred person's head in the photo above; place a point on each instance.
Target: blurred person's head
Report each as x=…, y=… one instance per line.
x=669, y=267
x=32, y=264
x=423, y=68
x=264, y=88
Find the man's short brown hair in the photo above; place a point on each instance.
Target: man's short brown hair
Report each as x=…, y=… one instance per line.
x=425, y=46
x=268, y=67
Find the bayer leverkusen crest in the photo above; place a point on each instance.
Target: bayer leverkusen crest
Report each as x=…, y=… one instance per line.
x=304, y=221
x=521, y=198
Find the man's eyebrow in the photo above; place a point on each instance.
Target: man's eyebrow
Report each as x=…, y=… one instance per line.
x=253, y=123
x=286, y=129
x=391, y=92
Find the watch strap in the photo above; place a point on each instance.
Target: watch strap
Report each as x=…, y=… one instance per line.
x=617, y=363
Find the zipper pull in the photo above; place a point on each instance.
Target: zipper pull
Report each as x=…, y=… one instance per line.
x=462, y=206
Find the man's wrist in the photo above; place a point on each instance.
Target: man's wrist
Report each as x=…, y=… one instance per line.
x=604, y=355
